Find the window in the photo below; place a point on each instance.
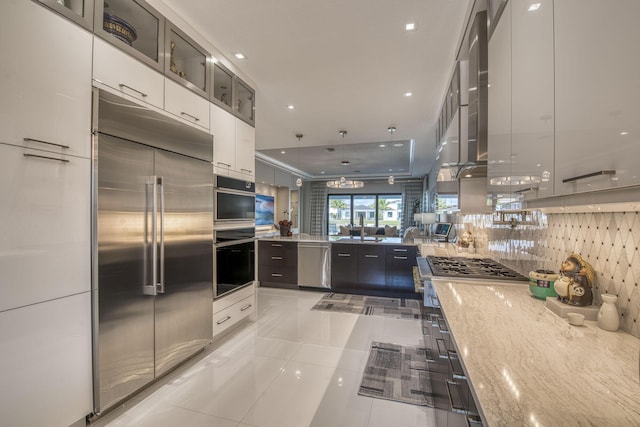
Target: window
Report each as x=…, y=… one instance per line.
x=377, y=210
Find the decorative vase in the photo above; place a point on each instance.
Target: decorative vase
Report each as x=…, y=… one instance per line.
x=608, y=318
x=284, y=230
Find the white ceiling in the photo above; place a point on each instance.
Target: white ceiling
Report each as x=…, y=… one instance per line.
x=344, y=65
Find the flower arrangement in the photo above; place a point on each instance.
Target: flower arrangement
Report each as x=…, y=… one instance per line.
x=285, y=225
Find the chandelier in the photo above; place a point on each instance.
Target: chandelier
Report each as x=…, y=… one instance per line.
x=343, y=182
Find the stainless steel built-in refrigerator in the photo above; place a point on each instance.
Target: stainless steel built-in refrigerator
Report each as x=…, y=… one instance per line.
x=153, y=246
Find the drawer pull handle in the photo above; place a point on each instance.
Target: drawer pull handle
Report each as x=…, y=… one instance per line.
x=45, y=142
x=224, y=164
x=220, y=322
x=246, y=170
x=246, y=307
x=276, y=275
x=589, y=175
x=190, y=116
x=344, y=255
x=400, y=257
x=122, y=85
x=46, y=157
x=526, y=190
x=276, y=245
x=276, y=257
x=370, y=256
x=399, y=250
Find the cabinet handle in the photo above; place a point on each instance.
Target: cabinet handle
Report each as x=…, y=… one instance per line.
x=194, y=118
x=246, y=170
x=370, y=256
x=400, y=257
x=399, y=250
x=45, y=142
x=144, y=95
x=46, y=157
x=276, y=257
x=246, y=307
x=276, y=245
x=276, y=275
x=525, y=190
x=220, y=322
x=589, y=175
x=345, y=255
x=224, y=164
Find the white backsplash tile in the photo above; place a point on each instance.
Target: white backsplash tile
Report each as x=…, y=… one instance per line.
x=608, y=241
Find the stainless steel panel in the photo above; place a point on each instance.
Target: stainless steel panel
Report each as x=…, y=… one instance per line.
x=125, y=352
x=184, y=302
x=314, y=265
x=124, y=119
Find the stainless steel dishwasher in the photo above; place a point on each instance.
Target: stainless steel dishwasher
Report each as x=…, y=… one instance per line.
x=314, y=269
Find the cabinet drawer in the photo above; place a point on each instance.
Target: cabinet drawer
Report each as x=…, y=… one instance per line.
x=231, y=315
x=232, y=298
x=185, y=104
x=46, y=242
x=278, y=274
x=120, y=71
x=277, y=253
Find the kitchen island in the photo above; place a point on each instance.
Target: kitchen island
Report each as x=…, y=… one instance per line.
x=373, y=265
x=527, y=366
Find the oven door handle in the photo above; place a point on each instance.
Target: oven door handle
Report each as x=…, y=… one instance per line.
x=235, y=192
x=234, y=242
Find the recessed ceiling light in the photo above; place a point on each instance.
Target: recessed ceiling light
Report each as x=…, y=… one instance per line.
x=240, y=55
x=345, y=163
x=534, y=6
x=408, y=94
x=398, y=144
x=624, y=133
x=390, y=170
x=322, y=172
x=468, y=175
x=282, y=152
x=410, y=26
x=291, y=107
x=382, y=145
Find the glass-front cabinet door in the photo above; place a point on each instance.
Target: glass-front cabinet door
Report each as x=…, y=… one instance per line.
x=132, y=26
x=245, y=101
x=186, y=61
x=222, y=86
x=79, y=11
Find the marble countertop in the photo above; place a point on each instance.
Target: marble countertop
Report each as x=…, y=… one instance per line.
x=529, y=367
x=380, y=240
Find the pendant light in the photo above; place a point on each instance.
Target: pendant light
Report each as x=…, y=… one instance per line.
x=391, y=130
x=299, y=180
x=344, y=182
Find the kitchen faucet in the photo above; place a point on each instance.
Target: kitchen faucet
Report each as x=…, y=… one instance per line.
x=361, y=227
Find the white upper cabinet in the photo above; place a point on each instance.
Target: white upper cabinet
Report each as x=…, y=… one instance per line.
x=127, y=75
x=233, y=145
x=223, y=129
x=185, y=104
x=597, y=65
x=532, y=92
x=499, y=114
x=46, y=80
x=245, y=148
x=45, y=250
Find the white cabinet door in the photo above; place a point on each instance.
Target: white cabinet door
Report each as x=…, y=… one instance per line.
x=499, y=119
x=45, y=79
x=46, y=231
x=122, y=72
x=532, y=107
x=245, y=148
x=223, y=129
x=597, y=64
x=186, y=104
x=45, y=355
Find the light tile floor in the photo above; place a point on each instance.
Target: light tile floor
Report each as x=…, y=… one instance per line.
x=292, y=367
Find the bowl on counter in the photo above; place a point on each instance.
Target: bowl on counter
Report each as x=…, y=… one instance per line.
x=541, y=283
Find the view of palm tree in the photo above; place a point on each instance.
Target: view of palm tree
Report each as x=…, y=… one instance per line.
x=378, y=210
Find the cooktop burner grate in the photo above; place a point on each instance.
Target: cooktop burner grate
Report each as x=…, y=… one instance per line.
x=473, y=268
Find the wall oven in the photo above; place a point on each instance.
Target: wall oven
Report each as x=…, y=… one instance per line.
x=235, y=259
x=235, y=200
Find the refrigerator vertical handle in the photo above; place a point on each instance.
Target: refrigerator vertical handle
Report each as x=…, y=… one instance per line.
x=150, y=289
x=161, y=282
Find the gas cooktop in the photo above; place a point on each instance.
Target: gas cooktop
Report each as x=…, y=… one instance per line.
x=472, y=268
